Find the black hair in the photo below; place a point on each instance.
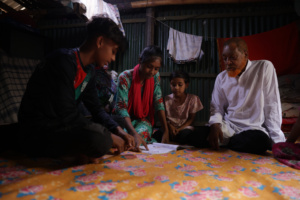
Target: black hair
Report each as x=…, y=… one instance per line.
x=240, y=43
x=180, y=74
x=150, y=54
x=101, y=25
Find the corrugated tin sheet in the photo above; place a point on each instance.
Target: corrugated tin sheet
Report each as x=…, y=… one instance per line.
x=136, y=40
x=209, y=21
x=63, y=33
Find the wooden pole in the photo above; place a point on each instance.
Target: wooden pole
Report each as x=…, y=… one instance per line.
x=149, y=26
x=153, y=3
x=6, y=8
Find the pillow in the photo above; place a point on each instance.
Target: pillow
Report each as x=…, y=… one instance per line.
x=290, y=110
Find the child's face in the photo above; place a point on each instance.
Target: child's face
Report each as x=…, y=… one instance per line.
x=148, y=70
x=106, y=51
x=178, y=86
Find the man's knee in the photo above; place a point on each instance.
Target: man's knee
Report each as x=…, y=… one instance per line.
x=100, y=145
x=251, y=141
x=99, y=141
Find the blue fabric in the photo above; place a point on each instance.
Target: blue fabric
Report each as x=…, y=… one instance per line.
x=106, y=88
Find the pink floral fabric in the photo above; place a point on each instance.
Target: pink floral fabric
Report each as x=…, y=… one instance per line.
x=287, y=153
x=185, y=175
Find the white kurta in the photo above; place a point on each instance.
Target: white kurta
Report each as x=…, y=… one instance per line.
x=248, y=102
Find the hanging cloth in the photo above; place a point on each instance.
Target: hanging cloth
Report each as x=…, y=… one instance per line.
x=184, y=47
x=81, y=79
x=98, y=7
x=138, y=105
x=113, y=13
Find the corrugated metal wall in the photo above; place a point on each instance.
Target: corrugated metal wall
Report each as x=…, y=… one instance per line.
x=209, y=21
x=62, y=33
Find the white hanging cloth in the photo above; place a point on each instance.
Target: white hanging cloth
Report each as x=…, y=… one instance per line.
x=184, y=47
x=96, y=7
x=113, y=12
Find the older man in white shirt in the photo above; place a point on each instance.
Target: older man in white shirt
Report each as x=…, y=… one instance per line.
x=245, y=107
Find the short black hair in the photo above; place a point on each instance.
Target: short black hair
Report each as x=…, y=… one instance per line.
x=240, y=43
x=150, y=54
x=101, y=25
x=180, y=74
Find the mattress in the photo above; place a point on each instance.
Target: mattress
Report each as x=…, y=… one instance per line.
x=184, y=174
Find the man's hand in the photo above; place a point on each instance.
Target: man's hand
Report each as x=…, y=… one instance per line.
x=215, y=135
x=118, y=143
x=129, y=139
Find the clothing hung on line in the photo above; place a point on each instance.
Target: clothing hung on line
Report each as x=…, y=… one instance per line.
x=184, y=47
x=113, y=12
x=248, y=102
x=142, y=126
x=96, y=7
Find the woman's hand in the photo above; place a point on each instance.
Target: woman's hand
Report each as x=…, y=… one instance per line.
x=129, y=139
x=138, y=141
x=165, y=138
x=118, y=143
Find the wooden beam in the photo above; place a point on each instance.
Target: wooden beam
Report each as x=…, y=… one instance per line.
x=149, y=26
x=176, y=18
x=33, y=12
x=212, y=15
x=77, y=25
x=153, y=3
x=6, y=8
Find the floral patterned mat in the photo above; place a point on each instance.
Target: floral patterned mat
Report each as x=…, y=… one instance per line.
x=185, y=175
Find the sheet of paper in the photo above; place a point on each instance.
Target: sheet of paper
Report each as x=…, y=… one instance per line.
x=159, y=148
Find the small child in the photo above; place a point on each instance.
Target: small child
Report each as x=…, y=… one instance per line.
x=181, y=109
